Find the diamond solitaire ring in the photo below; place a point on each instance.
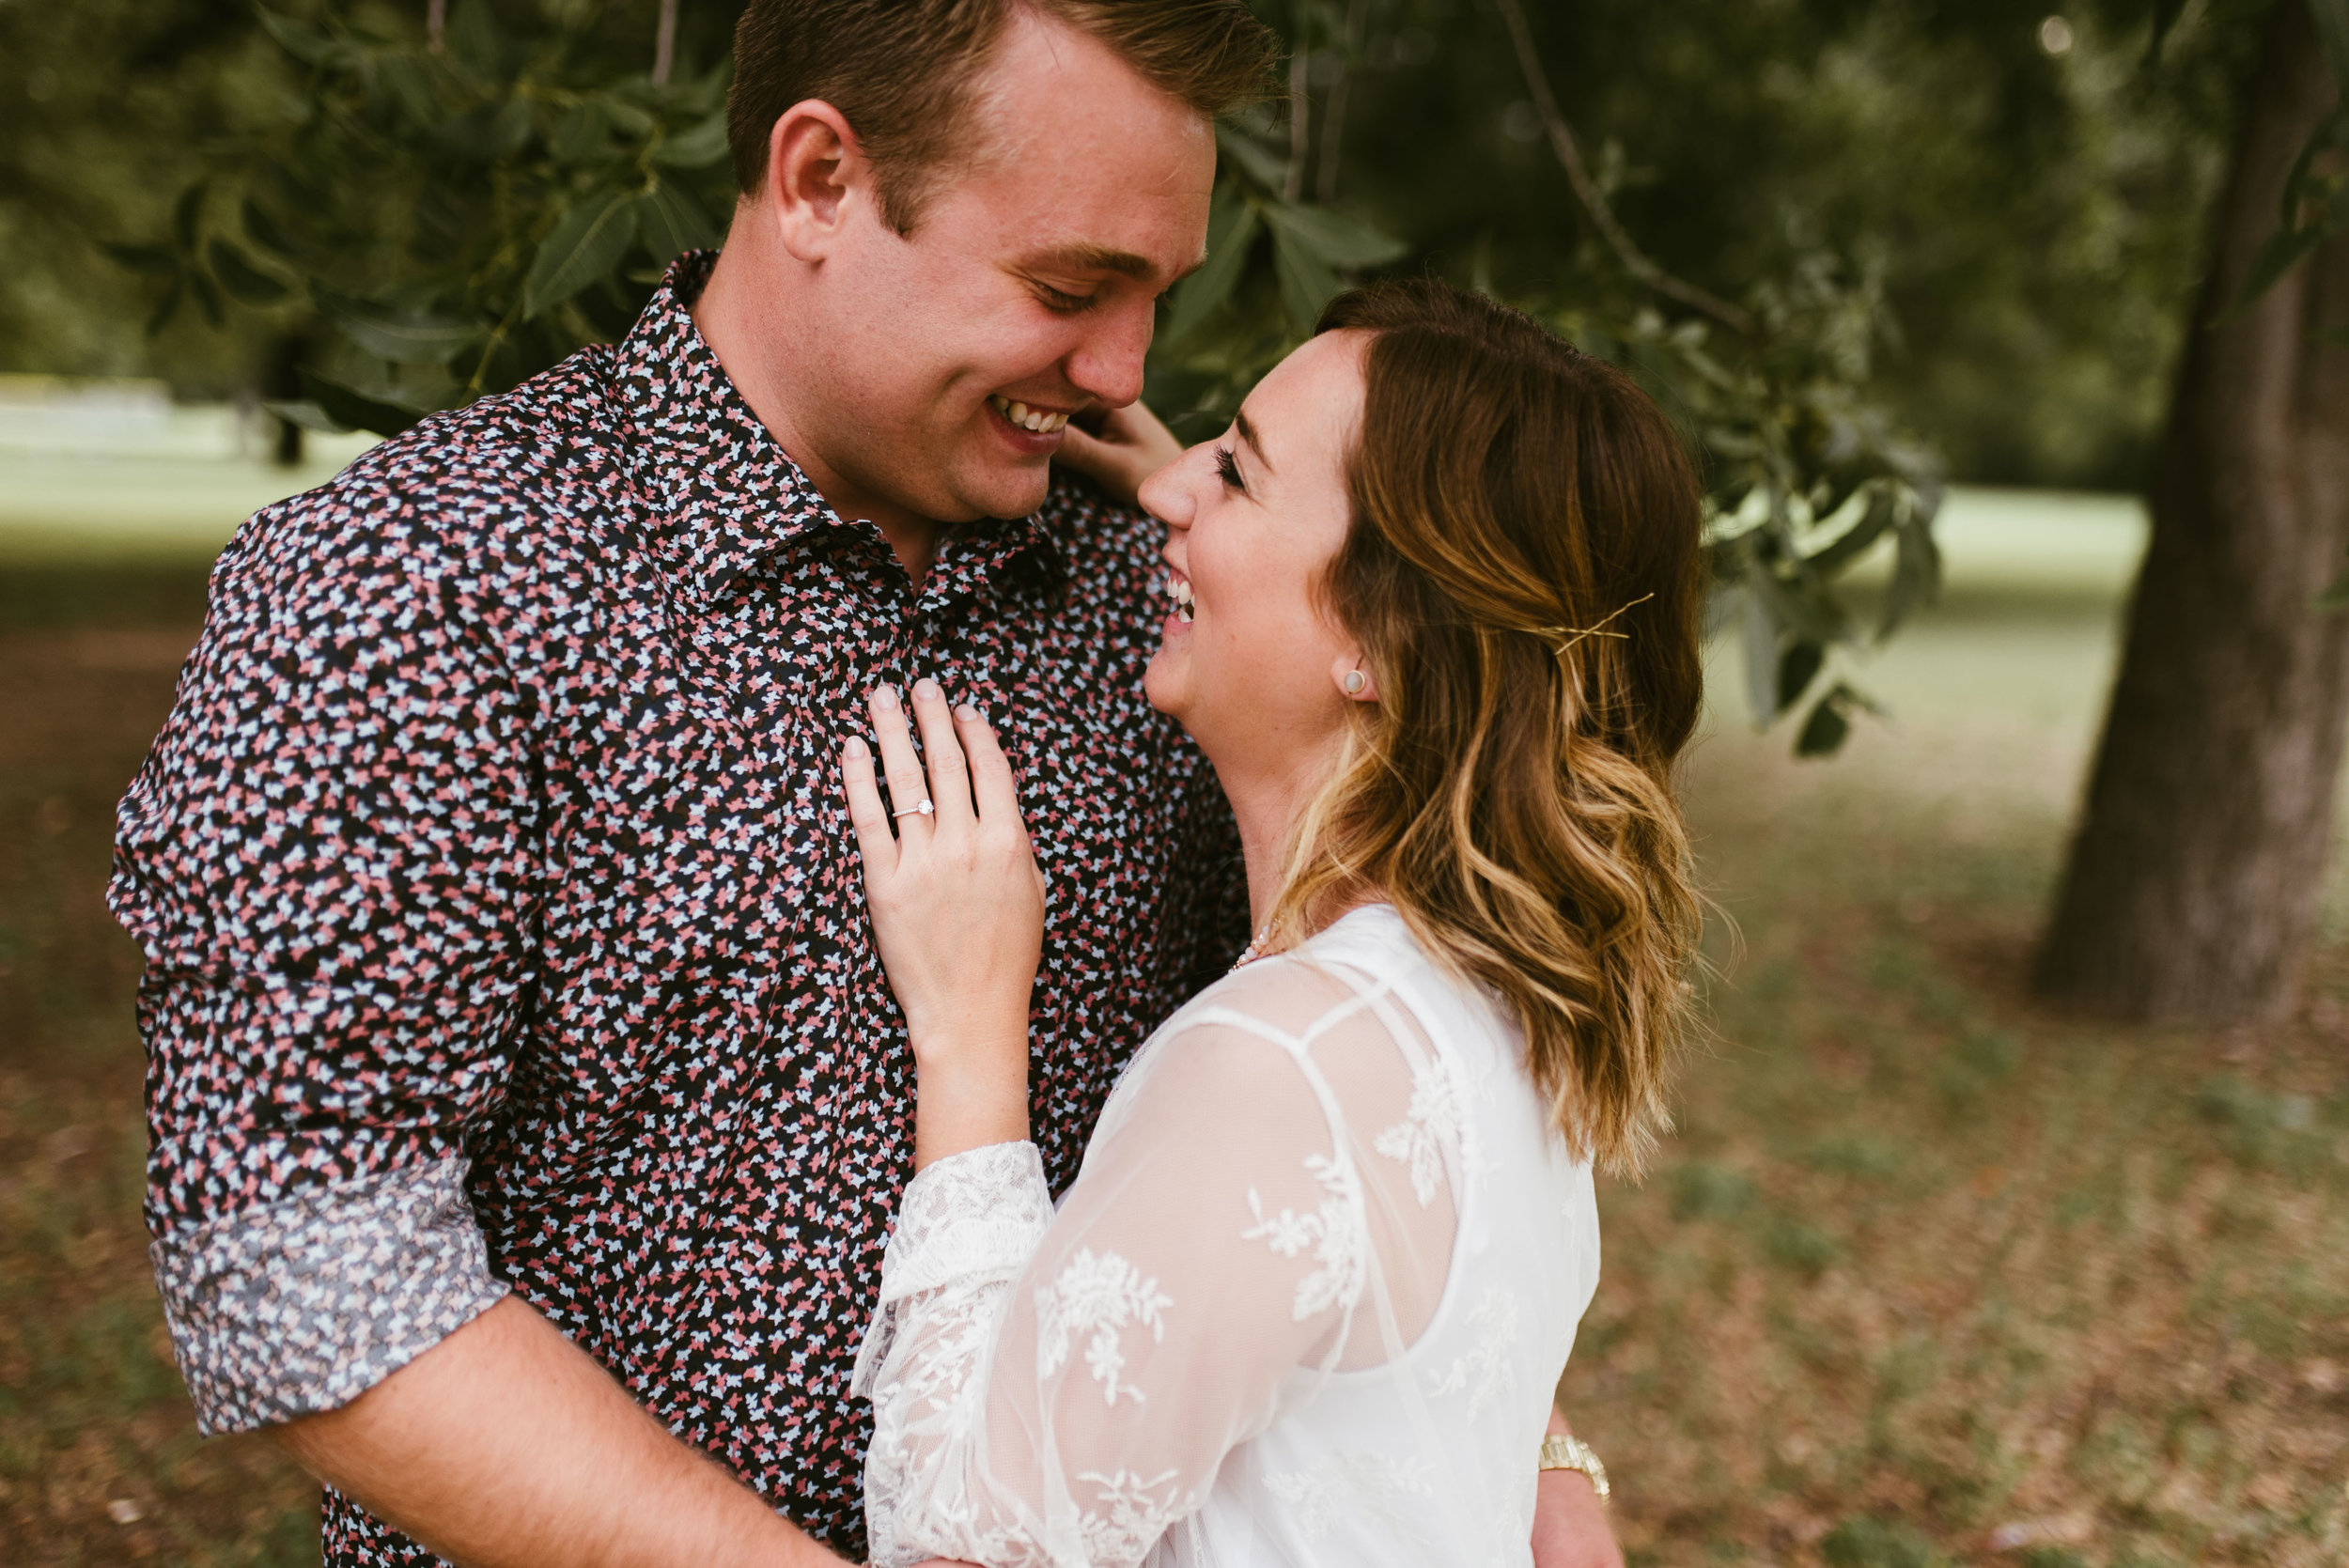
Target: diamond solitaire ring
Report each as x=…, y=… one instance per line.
x=925, y=808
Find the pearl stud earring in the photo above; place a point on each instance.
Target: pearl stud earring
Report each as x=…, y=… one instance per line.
x=1355, y=681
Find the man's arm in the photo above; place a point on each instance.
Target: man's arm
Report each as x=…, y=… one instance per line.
x=507, y=1444
x=1570, y=1529
x=330, y=861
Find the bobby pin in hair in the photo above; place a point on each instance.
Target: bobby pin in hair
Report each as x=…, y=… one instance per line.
x=1561, y=639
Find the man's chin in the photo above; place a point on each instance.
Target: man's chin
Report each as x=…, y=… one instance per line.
x=1006, y=492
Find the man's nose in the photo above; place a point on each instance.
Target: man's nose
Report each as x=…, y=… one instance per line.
x=1107, y=364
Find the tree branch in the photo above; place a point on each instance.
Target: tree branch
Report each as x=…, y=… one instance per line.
x=435, y=25
x=1594, y=201
x=1301, y=110
x=665, y=44
x=1333, y=112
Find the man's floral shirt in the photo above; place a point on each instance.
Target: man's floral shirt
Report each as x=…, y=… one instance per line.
x=504, y=928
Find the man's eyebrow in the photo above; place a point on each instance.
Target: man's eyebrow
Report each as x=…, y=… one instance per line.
x=1248, y=434
x=1096, y=259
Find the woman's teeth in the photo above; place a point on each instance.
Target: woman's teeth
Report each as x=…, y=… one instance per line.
x=1043, y=423
x=1178, y=588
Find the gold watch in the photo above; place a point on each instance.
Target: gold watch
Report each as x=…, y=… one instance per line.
x=1563, y=1451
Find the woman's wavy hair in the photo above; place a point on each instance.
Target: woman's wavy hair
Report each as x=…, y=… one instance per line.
x=1524, y=570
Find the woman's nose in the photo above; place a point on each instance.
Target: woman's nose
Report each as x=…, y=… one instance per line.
x=1166, y=495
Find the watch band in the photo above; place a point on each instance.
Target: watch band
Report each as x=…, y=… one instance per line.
x=1562, y=1451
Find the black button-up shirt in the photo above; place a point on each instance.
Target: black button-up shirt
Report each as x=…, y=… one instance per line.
x=505, y=927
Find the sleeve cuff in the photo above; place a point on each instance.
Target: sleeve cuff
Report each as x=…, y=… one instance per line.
x=302, y=1305
x=971, y=1215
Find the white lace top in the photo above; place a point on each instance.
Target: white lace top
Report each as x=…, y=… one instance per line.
x=1306, y=1303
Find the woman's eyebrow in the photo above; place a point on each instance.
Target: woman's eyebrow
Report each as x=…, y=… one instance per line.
x=1248, y=434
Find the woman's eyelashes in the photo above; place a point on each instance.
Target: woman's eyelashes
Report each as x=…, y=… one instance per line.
x=1227, y=468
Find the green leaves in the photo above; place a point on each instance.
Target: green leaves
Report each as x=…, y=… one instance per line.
x=245, y=282
x=1806, y=480
x=2332, y=36
x=697, y=147
x=351, y=410
x=403, y=337
x=210, y=272
x=1829, y=726
x=586, y=243
x=1232, y=227
x=476, y=42
x=1309, y=246
x=1797, y=668
x=1333, y=238
x=155, y=262
x=1307, y=282
x=1248, y=303
x=461, y=217
x=265, y=231
x=671, y=222
x=2165, y=14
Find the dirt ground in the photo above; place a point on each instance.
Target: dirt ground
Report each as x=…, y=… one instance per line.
x=99, y=1462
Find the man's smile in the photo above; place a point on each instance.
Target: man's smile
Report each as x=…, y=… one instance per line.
x=1042, y=422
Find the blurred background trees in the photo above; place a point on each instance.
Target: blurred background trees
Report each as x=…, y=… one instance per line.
x=2192, y=891
x=2027, y=200
x=1857, y=246
x=414, y=203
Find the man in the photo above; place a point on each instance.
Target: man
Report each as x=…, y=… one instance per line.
x=528, y=1107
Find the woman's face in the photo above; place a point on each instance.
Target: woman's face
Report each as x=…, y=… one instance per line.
x=1248, y=660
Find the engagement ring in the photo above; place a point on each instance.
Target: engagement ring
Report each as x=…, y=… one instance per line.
x=925, y=808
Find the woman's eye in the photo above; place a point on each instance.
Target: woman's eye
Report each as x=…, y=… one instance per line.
x=1227, y=468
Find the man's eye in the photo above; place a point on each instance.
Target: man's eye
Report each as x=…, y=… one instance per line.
x=1227, y=468
x=1060, y=300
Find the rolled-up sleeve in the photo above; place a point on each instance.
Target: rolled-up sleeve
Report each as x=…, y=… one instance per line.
x=304, y=1304
x=328, y=860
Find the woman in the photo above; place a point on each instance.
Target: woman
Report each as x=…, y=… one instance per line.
x=1435, y=622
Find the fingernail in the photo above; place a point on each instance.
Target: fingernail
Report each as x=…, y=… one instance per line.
x=926, y=688
x=856, y=747
x=884, y=697
x=967, y=713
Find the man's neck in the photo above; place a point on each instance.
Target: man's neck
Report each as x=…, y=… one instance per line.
x=724, y=316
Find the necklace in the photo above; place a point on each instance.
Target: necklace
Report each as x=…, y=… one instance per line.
x=1254, y=949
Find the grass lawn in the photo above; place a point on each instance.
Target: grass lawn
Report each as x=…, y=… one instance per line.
x=1932, y=1275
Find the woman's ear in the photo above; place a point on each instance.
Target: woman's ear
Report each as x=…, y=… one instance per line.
x=1352, y=674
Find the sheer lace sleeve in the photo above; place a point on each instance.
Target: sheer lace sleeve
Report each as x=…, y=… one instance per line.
x=1060, y=1389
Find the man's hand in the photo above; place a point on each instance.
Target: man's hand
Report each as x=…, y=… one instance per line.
x=505, y=1444
x=1570, y=1527
x=1129, y=446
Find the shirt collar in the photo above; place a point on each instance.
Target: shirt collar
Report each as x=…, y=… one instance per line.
x=731, y=496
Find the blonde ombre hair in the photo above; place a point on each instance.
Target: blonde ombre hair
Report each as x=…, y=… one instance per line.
x=1524, y=570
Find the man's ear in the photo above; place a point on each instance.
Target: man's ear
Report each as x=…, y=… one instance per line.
x=817, y=172
x=1351, y=671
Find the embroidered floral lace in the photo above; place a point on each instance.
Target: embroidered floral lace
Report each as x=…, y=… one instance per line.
x=1306, y=1302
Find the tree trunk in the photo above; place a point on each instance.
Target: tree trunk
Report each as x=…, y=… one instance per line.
x=2193, y=883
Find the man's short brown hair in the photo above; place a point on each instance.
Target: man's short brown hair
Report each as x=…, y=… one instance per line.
x=900, y=71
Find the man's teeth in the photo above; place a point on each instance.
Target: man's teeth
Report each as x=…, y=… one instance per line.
x=1043, y=423
x=1178, y=587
